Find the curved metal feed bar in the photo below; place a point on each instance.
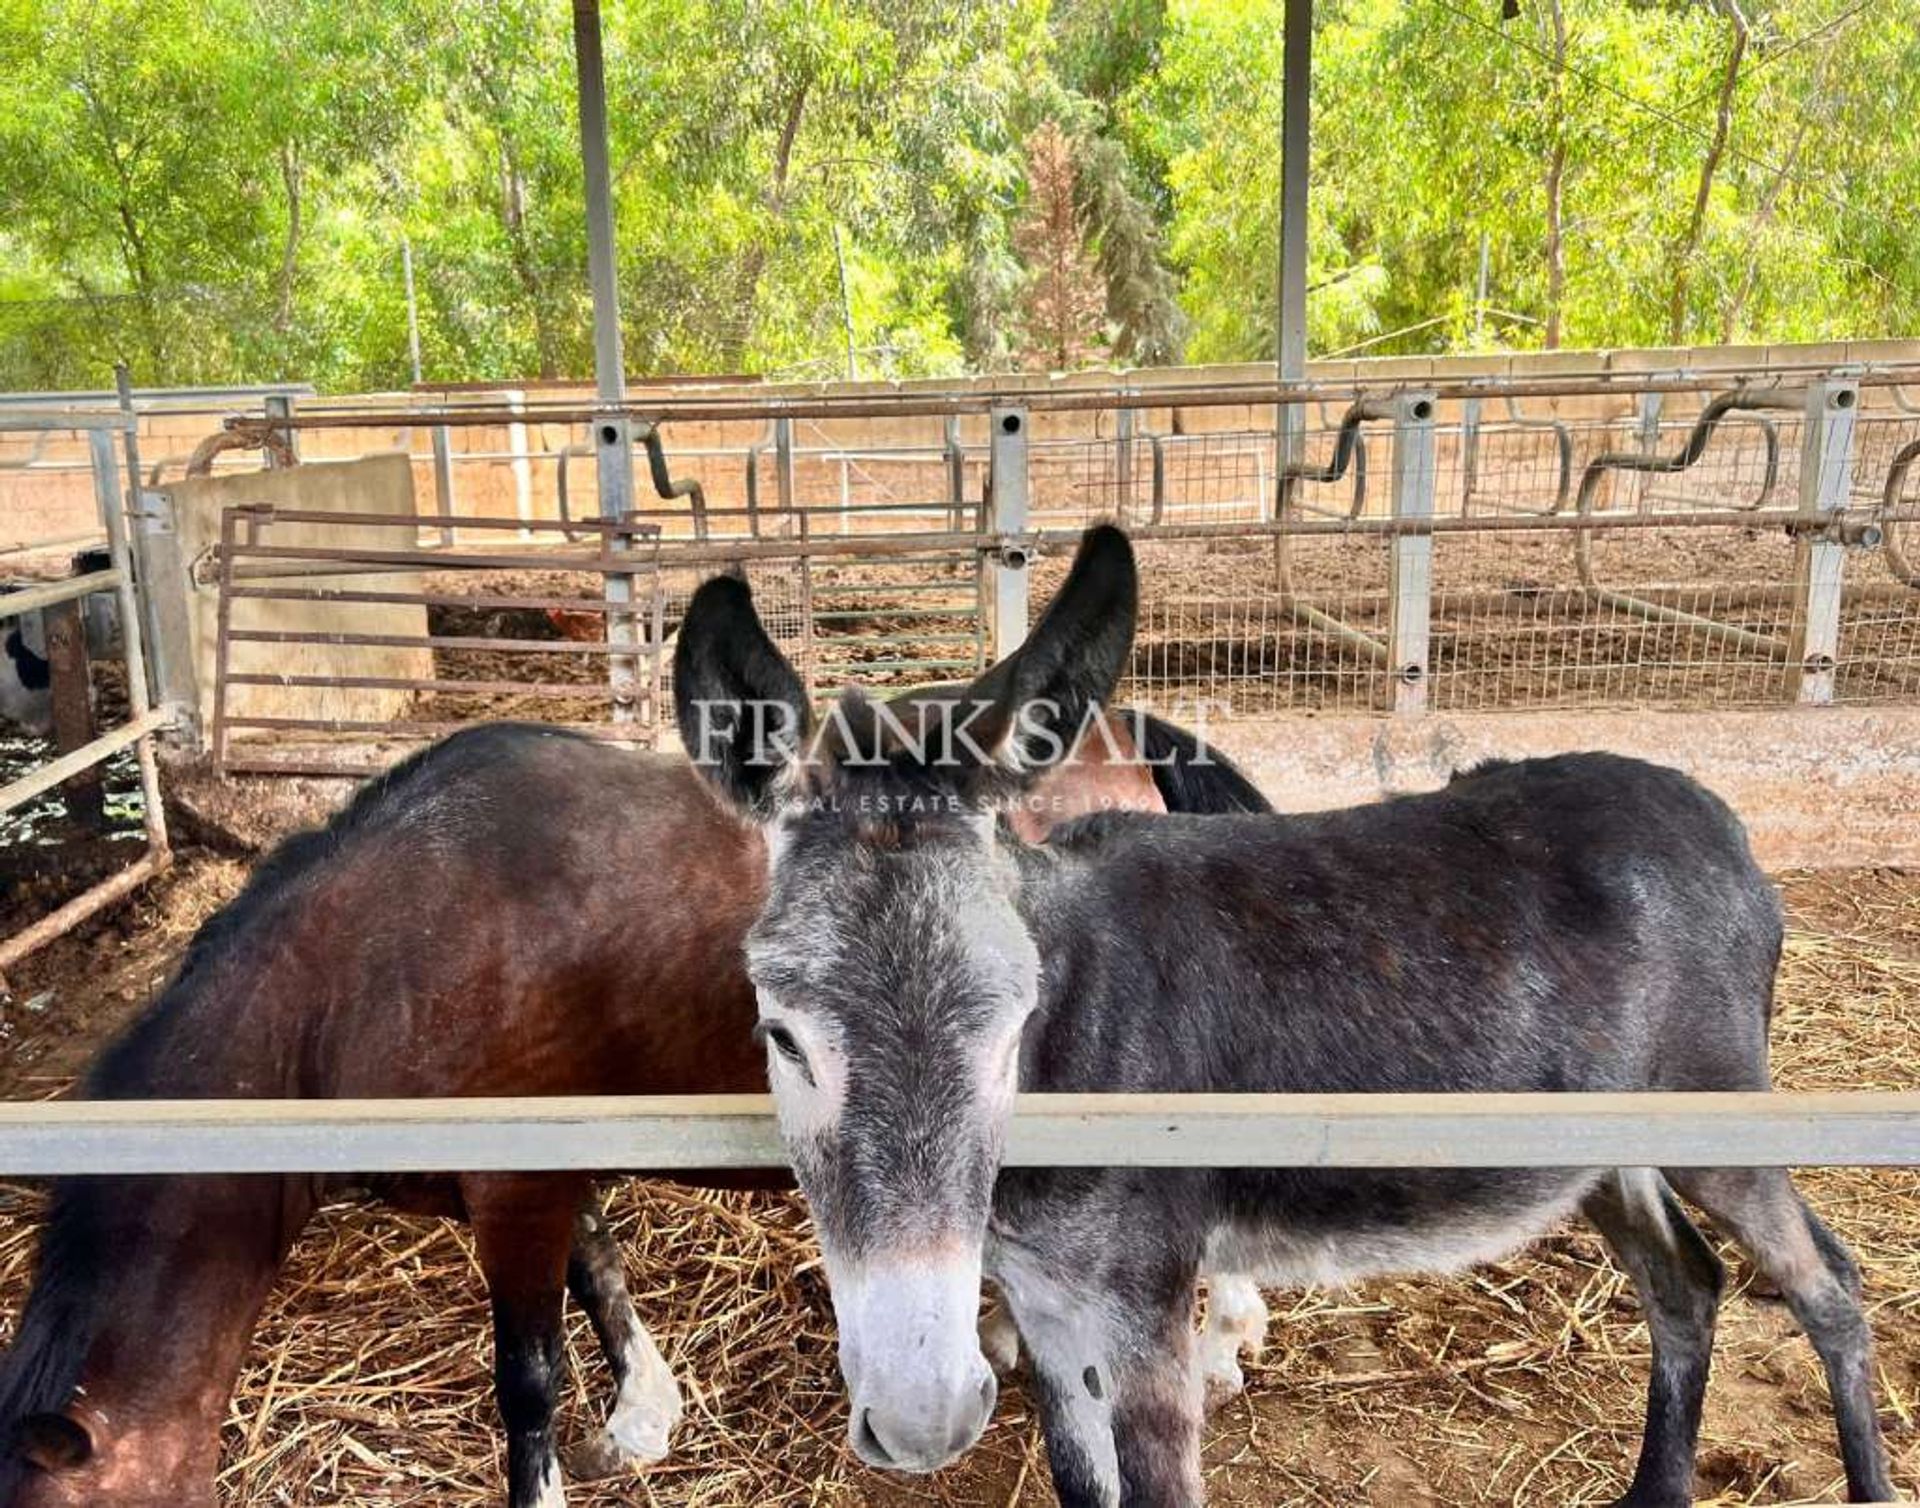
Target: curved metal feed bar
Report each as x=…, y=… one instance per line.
x=1563, y=450
x=1742, y=401
x=1346, y=446
x=1905, y=571
x=664, y=486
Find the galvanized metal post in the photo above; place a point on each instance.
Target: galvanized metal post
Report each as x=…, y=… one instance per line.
x=1649, y=428
x=1469, y=453
x=1007, y=494
x=783, y=463
x=1826, y=473
x=442, y=453
x=164, y=599
x=1290, y=421
x=1123, y=464
x=133, y=645
x=1411, y=578
x=280, y=406
x=612, y=431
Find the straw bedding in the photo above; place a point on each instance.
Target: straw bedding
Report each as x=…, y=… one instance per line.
x=1521, y=1383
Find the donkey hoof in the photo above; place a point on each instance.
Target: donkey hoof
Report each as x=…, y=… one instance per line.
x=593, y=1459
x=1223, y=1380
x=999, y=1340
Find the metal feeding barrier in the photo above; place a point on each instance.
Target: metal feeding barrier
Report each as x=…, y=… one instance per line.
x=62, y=600
x=1461, y=585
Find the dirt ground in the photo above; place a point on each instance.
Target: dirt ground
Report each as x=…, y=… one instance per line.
x=1519, y=1383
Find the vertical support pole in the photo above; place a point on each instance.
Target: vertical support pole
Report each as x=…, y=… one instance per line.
x=520, y=463
x=612, y=431
x=613, y=465
x=1007, y=484
x=1826, y=472
x=442, y=454
x=443, y=480
x=783, y=464
x=1123, y=421
x=1469, y=454
x=1290, y=421
x=956, y=475
x=71, y=687
x=280, y=406
x=108, y=498
x=164, y=601
x=1649, y=427
x=1411, y=578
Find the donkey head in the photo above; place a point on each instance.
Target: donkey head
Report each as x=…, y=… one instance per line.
x=894, y=967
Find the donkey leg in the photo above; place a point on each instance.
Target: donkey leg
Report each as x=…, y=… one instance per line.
x=1158, y=1405
x=523, y=1227
x=1761, y=1209
x=1678, y=1279
x=1069, y=1359
x=1236, y=1326
x=647, y=1401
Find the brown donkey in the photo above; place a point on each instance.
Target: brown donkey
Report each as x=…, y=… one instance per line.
x=610, y=894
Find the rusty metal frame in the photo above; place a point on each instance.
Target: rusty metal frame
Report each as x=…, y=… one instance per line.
x=628, y=549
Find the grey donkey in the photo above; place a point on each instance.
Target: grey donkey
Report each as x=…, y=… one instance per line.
x=1576, y=923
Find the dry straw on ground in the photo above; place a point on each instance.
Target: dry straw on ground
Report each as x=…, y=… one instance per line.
x=1522, y=1383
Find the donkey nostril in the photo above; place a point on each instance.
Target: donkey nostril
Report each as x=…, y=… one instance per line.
x=870, y=1441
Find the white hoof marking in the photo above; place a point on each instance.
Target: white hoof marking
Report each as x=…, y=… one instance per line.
x=648, y=1407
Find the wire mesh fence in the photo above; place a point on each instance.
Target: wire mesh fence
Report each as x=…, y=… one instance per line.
x=1605, y=552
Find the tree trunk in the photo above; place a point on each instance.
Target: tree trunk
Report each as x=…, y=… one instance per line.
x=1769, y=203
x=1555, y=177
x=747, y=290
x=290, y=178
x=1687, y=247
x=513, y=218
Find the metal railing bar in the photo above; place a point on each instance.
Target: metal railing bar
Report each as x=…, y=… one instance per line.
x=76, y=1137
x=547, y=690
x=27, y=599
x=33, y=421
x=82, y=906
x=910, y=405
x=428, y=599
x=611, y=732
x=838, y=667
x=454, y=642
x=52, y=773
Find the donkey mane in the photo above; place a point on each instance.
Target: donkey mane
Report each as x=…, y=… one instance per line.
x=1188, y=785
x=41, y=1368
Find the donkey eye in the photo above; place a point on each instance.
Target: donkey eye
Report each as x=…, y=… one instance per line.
x=781, y=1041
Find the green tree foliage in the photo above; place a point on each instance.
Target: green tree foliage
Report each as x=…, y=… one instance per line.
x=219, y=190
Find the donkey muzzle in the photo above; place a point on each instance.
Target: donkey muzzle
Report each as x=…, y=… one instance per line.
x=919, y=1388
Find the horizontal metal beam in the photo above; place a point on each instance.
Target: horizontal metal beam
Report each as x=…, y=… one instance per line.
x=908, y=404
x=1140, y=1130
x=85, y=757
x=41, y=420
x=27, y=599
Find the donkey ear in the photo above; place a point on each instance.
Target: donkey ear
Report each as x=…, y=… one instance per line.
x=1036, y=700
x=52, y=1442
x=742, y=709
